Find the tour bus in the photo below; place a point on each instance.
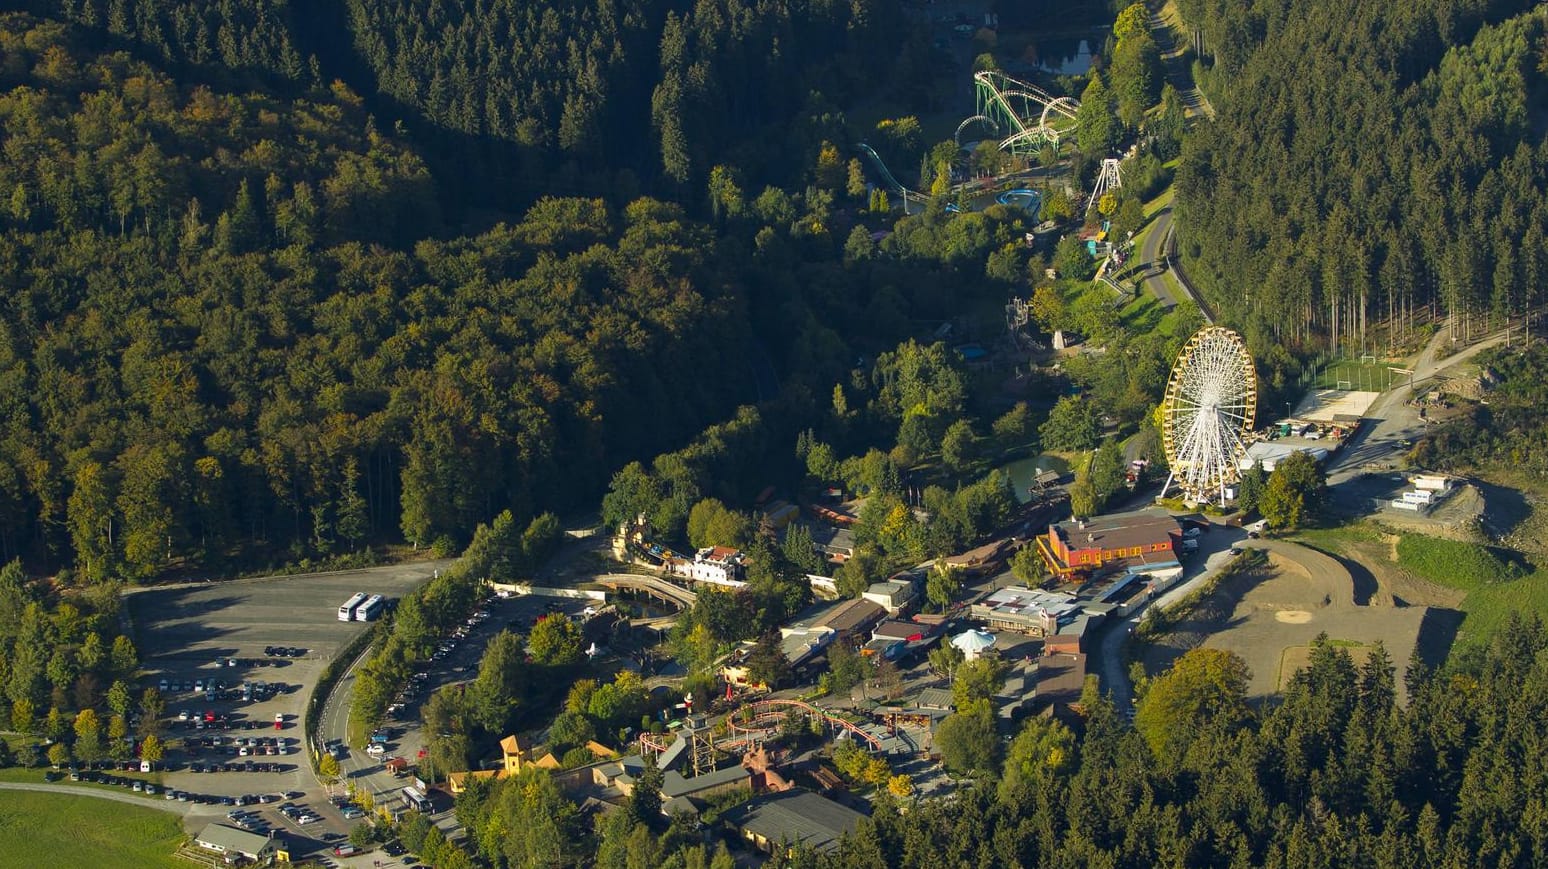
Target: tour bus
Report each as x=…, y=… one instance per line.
x=347, y=611
x=417, y=800
x=371, y=608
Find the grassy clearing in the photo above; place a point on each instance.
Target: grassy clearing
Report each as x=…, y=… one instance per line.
x=1162, y=200
x=1373, y=377
x=1336, y=539
x=1495, y=586
x=60, y=830
x=1466, y=566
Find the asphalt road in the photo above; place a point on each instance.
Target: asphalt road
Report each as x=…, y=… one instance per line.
x=1153, y=258
x=1212, y=556
x=78, y=790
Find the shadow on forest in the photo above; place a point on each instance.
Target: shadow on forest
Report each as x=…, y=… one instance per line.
x=1437, y=633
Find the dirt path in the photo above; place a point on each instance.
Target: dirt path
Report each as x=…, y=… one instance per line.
x=1166, y=27
x=1269, y=615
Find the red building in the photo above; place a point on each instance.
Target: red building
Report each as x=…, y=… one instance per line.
x=1104, y=543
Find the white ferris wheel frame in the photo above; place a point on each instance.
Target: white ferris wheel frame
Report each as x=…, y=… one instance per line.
x=1207, y=415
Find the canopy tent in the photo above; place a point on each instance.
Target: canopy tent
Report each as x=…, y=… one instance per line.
x=973, y=643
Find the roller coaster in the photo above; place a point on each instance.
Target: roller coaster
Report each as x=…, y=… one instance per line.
x=755, y=722
x=1024, y=116
x=766, y=715
x=886, y=174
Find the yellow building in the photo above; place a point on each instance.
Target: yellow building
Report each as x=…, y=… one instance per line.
x=512, y=755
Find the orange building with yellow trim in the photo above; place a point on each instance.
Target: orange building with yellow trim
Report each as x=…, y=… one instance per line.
x=1082, y=548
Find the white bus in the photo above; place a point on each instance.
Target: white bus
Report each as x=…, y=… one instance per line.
x=347, y=611
x=371, y=608
x=417, y=801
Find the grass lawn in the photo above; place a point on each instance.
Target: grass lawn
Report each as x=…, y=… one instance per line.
x=1162, y=200
x=1376, y=376
x=68, y=831
x=1495, y=586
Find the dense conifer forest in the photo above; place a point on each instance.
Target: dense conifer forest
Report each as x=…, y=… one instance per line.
x=513, y=100
x=1370, y=165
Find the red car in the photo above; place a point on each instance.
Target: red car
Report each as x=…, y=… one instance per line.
x=209, y=716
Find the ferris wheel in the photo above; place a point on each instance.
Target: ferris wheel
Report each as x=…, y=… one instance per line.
x=1206, y=417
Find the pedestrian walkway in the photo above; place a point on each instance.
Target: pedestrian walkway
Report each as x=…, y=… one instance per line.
x=1166, y=28
x=172, y=806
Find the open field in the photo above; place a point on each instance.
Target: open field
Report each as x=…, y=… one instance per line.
x=1481, y=585
x=1269, y=615
x=1492, y=586
x=73, y=832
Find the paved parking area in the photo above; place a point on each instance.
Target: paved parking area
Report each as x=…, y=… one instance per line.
x=460, y=664
x=195, y=632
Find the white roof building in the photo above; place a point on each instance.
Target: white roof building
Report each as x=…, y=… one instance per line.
x=973, y=643
x=1268, y=454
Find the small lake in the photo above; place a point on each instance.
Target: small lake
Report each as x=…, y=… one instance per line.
x=1067, y=55
x=1023, y=471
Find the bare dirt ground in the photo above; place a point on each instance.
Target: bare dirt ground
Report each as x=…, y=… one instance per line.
x=1270, y=615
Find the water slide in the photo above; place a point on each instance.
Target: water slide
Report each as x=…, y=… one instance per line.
x=886, y=175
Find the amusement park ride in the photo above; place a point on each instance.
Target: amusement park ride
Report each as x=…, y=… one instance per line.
x=1023, y=115
x=1207, y=415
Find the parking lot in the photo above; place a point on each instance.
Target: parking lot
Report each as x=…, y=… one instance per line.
x=457, y=663
x=265, y=639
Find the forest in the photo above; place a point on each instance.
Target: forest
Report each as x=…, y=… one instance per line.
x=242, y=334
x=513, y=100
x=1370, y=166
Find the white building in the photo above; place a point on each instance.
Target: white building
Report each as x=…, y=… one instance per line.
x=236, y=843
x=1268, y=454
x=716, y=565
x=974, y=643
x=894, y=595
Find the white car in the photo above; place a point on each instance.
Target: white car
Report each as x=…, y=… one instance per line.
x=308, y=819
x=376, y=750
x=184, y=715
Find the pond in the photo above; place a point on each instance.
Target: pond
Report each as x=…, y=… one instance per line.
x=1067, y=54
x=1023, y=471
